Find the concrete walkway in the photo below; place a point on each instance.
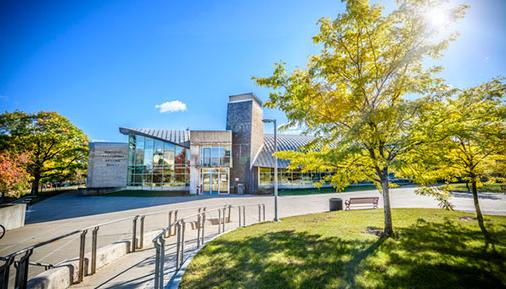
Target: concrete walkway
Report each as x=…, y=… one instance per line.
x=64, y=213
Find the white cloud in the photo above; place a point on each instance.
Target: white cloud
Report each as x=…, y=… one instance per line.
x=171, y=106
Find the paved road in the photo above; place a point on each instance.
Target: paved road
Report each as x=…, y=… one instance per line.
x=67, y=212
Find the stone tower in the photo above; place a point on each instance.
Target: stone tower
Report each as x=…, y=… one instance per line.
x=244, y=119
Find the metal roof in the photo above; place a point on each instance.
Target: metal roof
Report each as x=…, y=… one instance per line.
x=285, y=143
x=179, y=137
x=263, y=159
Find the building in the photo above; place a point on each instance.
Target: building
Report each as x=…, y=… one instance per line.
x=235, y=160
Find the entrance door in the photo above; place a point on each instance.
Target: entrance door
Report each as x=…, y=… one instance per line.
x=215, y=186
x=206, y=183
x=214, y=181
x=210, y=182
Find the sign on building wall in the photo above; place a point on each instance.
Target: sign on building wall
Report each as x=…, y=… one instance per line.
x=107, y=167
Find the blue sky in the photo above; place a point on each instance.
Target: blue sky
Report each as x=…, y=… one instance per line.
x=106, y=64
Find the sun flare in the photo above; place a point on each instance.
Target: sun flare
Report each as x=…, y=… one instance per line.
x=438, y=18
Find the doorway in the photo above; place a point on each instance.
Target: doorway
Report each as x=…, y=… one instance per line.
x=214, y=181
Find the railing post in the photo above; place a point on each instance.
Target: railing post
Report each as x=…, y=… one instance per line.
x=161, y=266
x=4, y=271
x=82, y=248
x=175, y=220
x=134, y=233
x=198, y=227
x=202, y=239
x=219, y=221
x=183, y=225
x=223, y=224
x=240, y=215
x=157, y=262
x=178, y=243
x=259, y=213
x=244, y=215
x=141, y=235
x=263, y=211
x=169, y=225
x=94, y=240
x=229, y=210
x=22, y=270
x=169, y=230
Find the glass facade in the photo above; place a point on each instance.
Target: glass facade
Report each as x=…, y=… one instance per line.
x=215, y=156
x=155, y=163
x=290, y=179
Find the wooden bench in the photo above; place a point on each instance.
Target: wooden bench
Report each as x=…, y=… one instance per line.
x=361, y=201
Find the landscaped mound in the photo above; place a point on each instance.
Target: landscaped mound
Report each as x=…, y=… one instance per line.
x=433, y=249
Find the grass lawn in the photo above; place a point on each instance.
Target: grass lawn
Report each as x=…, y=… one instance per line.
x=493, y=188
x=433, y=249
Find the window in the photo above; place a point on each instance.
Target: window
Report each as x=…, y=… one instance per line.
x=215, y=156
x=266, y=176
x=290, y=179
x=158, y=153
x=168, y=155
x=206, y=157
x=148, y=153
x=131, y=150
x=139, y=150
x=180, y=158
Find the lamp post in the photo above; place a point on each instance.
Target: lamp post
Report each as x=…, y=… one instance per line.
x=275, y=168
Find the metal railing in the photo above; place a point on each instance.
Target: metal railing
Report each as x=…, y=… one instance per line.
x=179, y=229
x=21, y=258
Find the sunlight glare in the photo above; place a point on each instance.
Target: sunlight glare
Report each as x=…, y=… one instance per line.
x=438, y=18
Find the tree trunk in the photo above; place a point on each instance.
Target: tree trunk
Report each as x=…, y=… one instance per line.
x=35, y=184
x=479, y=216
x=388, y=229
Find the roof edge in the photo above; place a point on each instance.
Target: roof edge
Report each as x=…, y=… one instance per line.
x=128, y=131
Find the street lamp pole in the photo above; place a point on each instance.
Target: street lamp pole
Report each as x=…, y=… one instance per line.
x=276, y=218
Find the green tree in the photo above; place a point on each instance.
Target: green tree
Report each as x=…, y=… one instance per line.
x=352, y=95
x=58, y=149
x=473, y=146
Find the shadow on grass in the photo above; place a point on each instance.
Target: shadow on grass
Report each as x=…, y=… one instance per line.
x=425, y=255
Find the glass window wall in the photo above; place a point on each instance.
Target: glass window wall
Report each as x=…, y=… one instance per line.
x=153, y=162
x=290, y=179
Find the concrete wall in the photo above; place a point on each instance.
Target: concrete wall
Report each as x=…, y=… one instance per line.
x=12, y=216
x=210, y=137
x=107, y=165
x=244, y=119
